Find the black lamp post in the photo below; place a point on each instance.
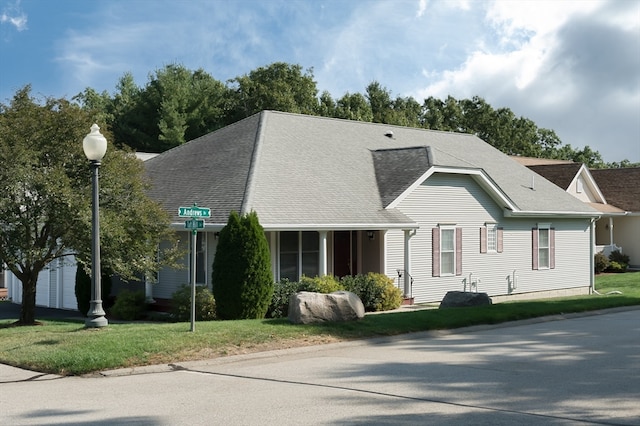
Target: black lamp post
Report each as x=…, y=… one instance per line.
x=95, y=146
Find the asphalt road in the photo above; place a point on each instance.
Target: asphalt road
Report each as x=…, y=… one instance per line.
x=563, y=370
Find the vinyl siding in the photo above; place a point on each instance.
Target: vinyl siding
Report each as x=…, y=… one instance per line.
x=170, y=279
x=458, y=200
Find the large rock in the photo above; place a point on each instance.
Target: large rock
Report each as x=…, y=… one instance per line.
x=307, y=307
x=456, y=299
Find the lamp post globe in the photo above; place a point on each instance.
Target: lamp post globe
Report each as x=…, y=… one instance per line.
x=95, y=147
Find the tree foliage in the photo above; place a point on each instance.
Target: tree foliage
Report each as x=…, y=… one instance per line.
x=178, y=105
x=279, y=86
x=45, y=208
x=241, y=275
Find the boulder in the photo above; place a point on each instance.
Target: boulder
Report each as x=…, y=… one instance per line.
x=456, y=299
x=307, y=307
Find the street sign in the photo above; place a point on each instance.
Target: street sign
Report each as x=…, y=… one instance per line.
x=194, y=211
x=194, y=224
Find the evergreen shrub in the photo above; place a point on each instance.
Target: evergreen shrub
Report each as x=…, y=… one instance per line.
x=241, y=276
x=618, y=262
x=181, y=304
x=129, y=305
x=83, y=290
x=600, y=262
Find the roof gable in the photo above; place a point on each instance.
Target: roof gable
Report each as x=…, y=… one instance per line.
x=567, y=176
x=398, y=168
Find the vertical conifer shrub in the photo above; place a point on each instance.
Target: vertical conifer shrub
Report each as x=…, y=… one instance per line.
x=241, y=277
x=83, y=289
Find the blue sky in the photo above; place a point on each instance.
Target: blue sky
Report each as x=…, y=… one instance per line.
x=571, y=66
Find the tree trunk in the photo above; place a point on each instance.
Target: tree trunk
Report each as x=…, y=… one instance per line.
x=28, y=311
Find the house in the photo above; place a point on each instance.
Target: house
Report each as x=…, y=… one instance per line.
x=436, y=211
x=621, y=188
x=615, y=193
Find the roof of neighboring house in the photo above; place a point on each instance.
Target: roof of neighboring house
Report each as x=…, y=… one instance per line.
x=534, y=161
x=621, y=187
x=562, y=174
x=299, y=171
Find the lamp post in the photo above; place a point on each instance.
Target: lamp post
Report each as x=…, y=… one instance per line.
x=95, y=146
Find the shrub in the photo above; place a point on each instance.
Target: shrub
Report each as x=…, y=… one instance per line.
x=83, y=289
x=241, y=276
x=282, y=291
x=130, y=305
x=617, y=266
x=600, y=262
x=617, y=256
x=181, y=304
x=377, y=291
x=323, y=284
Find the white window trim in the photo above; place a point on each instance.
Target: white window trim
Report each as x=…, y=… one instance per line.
x=492, y=236
x=546, y=227
x=451, y=228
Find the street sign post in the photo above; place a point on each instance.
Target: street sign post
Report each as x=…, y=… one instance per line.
x=194, y=224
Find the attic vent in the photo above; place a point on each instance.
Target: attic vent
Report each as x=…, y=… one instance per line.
x=389, y=134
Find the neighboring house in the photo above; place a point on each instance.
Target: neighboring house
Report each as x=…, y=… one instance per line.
x=621, y=188
x=436, y=211
x=615, y=193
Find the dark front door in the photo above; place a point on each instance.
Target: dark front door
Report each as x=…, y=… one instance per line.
x=344, y=253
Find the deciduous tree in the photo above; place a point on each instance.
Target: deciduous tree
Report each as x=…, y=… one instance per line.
x=45, y=211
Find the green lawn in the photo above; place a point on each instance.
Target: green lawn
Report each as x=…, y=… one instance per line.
x=65, y=347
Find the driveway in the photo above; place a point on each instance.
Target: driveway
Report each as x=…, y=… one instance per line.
x=563, y=370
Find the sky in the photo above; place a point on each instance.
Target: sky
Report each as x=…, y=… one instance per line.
x=570, y=66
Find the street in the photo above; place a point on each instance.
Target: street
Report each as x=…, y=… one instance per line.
x=573, y=369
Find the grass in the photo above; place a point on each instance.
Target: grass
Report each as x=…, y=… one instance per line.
x=66, y=347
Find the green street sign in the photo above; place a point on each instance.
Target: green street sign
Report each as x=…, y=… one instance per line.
x=194, y=211
x=194, y=224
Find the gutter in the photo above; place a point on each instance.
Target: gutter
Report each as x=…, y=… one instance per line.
x=520, y=213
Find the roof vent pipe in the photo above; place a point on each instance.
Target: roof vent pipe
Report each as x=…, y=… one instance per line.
x=389, y=134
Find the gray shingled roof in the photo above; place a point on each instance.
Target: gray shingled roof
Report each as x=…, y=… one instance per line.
x=307, y=171
x=620, y=187
x=398, y=168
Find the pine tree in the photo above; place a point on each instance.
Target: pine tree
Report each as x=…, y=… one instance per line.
x=242, y=278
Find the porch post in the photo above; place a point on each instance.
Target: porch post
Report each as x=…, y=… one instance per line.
x=323, y=253
x=611, y=231
x=274, y=254
x=148, y=290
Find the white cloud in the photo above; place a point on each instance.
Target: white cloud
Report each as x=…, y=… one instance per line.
x=13, y=15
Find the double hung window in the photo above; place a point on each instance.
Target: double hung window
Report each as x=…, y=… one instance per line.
x=447, y=251
x=543, y=247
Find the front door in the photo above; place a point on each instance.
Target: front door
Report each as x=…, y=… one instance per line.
x=345, y=253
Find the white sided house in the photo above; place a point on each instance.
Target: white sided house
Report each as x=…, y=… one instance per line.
x=435, y=211
x=615, y=193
